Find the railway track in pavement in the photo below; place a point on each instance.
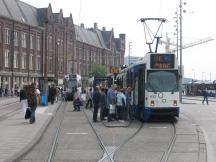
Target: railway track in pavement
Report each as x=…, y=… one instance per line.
x=9, y=109
x=72, y=136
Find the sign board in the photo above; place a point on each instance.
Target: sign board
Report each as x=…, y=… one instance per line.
x=115, y=70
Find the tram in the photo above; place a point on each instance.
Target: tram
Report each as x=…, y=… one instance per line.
x=154, y=81
x=72, y=81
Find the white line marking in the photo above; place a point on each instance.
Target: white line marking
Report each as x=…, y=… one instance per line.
x=76, y=133
x=159, y=127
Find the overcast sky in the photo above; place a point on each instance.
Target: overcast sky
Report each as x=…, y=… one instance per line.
x=123, y=15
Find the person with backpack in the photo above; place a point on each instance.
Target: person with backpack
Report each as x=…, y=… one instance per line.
x=32, y=101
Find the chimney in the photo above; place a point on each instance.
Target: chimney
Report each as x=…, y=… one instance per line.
x=104, y=28
x=82, y=25
x=95, y=26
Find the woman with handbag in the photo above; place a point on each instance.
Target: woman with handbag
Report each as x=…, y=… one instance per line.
x=23, y=101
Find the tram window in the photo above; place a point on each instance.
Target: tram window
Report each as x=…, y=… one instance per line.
x=162, y=81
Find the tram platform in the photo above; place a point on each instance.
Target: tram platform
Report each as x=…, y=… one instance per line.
x=18, y=136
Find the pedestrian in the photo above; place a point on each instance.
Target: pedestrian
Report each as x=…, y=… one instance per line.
x=89, y=97
x=76, y=100
x=52, y=93
x=1, y=91
x=32, y=101
x=38, y=96
x=96, y=101
x=103, y=103
x=128, y=103
x=111, y=101
x=23, y=100
x=205, y=96
x=121, y=105
x=6, y=92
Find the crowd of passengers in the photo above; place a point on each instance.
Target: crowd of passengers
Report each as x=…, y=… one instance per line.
x=113, y=103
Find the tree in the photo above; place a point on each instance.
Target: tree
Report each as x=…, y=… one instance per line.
x=98, y=70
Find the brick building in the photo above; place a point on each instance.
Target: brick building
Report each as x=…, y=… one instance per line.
x=35, y=42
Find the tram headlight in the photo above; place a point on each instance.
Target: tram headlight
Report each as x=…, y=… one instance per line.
x=175, y=103
x=152, y=103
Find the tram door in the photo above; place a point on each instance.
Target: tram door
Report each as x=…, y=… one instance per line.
x=141, y=89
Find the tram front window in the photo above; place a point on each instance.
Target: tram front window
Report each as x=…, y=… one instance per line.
x=162, y=81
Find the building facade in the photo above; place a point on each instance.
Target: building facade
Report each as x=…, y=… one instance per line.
x=35, y=42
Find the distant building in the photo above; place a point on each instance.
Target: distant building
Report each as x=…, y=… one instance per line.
x=131, y=59
x=35, y=42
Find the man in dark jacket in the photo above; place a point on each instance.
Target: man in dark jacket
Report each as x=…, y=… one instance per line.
x=32, y=100
x=205, y=96
x=96, y=101
x=103, y=104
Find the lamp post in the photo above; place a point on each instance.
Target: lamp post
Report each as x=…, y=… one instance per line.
x=180, y=49
x=45, y=60
x=12, y=58
x=56, y=60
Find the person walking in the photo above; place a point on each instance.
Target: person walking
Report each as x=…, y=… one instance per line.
x=76, y=100
x=205, y=96
x=23, y=100
x=96, y=101
x=89, y=97
x=32, y=101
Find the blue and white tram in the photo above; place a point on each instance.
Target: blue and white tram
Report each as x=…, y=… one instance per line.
x=154, y=81
x=72, y=82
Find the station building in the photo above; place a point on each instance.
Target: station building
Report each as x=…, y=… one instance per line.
x=35, y=43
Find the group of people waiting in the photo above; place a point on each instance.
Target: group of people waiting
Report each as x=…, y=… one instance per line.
x=113, y=103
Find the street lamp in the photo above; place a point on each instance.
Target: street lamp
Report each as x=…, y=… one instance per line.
x=56, y=59
x=180, y=50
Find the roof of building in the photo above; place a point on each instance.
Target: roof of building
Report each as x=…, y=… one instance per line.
x=19, y=11
x=27, y=14
x=89, y=37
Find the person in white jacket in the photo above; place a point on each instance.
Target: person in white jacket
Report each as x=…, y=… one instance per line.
x=120, y=104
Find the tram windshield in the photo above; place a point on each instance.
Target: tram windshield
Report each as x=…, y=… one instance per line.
x=162, y=81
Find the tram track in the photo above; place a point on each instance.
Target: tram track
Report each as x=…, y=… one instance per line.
x=56, y=137
x=166, y=154
x=113, y=142
x=109, y=154
x=8, y=110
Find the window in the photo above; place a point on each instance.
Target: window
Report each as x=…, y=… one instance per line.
x=23, y=38
x=31, y=62
x=31, y=41
x=15, y=59
x=0, y=34
x=23, y=61
x=15, y=38
x=7, y=36
x=37, y=63
x=38, y=43
x=7, y=54
x=61, y=66
x=50, y=42
x=50, y=64
x=162, y=81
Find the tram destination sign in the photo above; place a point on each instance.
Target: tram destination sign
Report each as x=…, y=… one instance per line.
x=162, y=61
